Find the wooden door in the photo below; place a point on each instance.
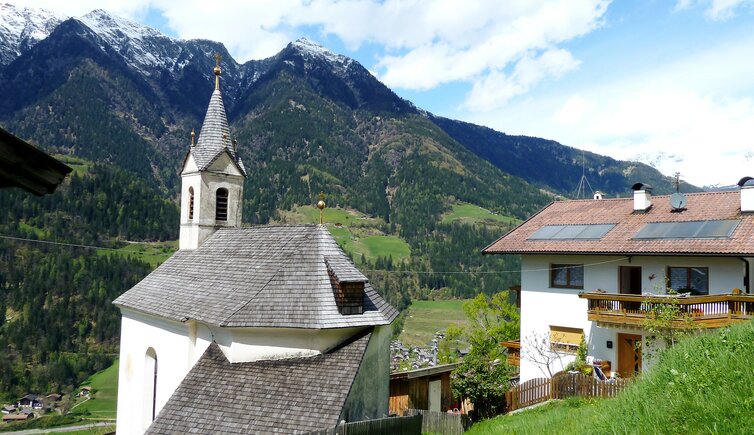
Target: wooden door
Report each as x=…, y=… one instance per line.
x=629, y=354
x=435, y=396
x=630, y=280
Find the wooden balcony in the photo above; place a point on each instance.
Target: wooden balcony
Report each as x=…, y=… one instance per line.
x=514, y=351
x=709, y=311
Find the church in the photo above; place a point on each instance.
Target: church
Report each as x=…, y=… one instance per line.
x=258, y=329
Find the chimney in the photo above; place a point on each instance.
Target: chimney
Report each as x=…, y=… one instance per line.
x=642, y=197
x=747, y=194
x=599, y=195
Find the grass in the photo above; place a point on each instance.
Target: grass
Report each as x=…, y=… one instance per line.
x=153, y=253
x=424, y=318
x=357, y=233
x=703, y=385
x=475, y=215
x=79, y=165
x=102, y=404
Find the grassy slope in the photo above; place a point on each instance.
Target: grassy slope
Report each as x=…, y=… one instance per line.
x=475, y=215
x=153, y=253
x=427, y=317
x=703, y=385
x=103, y=403
x=358, y=234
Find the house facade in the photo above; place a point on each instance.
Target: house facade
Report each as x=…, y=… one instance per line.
x=248, y=329
x=593, y=270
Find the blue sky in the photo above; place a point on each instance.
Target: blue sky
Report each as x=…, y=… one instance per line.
x=670, y=83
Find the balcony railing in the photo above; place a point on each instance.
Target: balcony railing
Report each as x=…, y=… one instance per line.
x=708, y=311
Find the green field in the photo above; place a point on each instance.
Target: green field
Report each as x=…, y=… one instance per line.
x=102, y=403
x=424, y=318
x=79, y=165
x=357, y=233
x=473, y=214
x=153, y=253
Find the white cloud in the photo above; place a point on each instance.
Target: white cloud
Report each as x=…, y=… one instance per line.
x=716, y=10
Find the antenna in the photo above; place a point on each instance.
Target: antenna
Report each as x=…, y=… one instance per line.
x=678, y=200
x=583, y=182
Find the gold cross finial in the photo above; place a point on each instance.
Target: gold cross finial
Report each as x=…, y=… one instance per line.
x=218, y=59
x=192, y=137
x=321, y=207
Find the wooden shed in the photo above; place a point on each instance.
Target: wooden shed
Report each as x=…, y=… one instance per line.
x=427, y=388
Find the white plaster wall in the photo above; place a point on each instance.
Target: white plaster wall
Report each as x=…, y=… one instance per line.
x=542, y=306
x=252, y=344
x=171, y=343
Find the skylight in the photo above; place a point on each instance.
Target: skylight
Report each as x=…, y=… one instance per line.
x=717, y=229
x=572, y=232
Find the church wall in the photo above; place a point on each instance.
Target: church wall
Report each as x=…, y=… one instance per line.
x=172, y=348
x=252, y=344
x=370, y=392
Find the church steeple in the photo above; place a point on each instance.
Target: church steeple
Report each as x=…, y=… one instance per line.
x=212, y=176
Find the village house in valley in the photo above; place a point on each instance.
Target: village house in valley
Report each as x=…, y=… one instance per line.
x=589, y=269
x=248, y=330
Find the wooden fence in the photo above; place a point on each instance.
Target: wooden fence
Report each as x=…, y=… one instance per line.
x=561, y=385
x=441, y=422
x=411, y=425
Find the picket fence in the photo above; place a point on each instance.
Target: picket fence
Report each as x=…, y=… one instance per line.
x=561, y=385
x=411, y=425
x=441, y=422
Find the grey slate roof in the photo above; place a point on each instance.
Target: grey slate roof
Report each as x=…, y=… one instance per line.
x=272, y=396
x=265, y=276
x=214, y=137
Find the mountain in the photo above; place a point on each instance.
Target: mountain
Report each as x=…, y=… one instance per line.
x=21, y=28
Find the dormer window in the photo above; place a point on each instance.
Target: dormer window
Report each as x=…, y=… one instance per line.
x=347, y=285
x=191, y=203
x=221, y=204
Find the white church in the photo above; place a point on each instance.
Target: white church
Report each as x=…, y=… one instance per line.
x=259, y=329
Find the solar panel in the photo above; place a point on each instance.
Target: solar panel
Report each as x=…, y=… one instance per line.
x=571, y=232
x=714, y=229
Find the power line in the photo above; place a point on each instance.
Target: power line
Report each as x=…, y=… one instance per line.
x=418, y=272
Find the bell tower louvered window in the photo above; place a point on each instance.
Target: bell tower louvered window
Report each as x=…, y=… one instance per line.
x=221, y=205
x=191, y=203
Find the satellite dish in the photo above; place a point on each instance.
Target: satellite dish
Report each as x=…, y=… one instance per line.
x=678, y=201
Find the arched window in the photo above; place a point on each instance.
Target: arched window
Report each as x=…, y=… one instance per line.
x=191, y=203
x=150, y=387
x=221, y=204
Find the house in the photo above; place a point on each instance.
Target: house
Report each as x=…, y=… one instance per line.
x=11, y=418
x=590, y=268
x=248, y=329
x=426, y=388
x=85, y=391
x=30, y=401
x=7, y=409
x=22, y=165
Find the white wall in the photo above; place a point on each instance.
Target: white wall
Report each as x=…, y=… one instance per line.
x=542, y=306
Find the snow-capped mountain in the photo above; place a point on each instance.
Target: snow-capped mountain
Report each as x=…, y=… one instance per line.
x=21, y=28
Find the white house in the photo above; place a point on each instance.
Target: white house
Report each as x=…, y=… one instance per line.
x=588, y=267
x=248, y=330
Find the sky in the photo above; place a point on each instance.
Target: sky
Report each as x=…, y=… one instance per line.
x=668, y=83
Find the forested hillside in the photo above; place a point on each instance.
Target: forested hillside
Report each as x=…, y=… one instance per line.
x=57, y=323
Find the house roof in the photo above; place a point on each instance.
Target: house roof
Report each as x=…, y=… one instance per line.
x=423, y=372
x=621, y=239
x=265, y=276
x=24, y=166
x=270, y=396
x=214, y=137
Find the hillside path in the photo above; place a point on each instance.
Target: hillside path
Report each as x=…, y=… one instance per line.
x=60, y=429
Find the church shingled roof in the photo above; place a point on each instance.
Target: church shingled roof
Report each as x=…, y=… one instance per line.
x=266, y=276
x=283, y=396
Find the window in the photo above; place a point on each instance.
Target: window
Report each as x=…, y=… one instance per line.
x=150, y=387
x=191, y=203
x=565, y=339
x=567, y=276
x=221, y=205
x=689, y=279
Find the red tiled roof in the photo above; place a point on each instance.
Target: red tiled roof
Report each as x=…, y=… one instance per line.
x=619, y=240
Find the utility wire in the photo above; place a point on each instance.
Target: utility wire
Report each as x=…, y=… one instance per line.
x=419, y=272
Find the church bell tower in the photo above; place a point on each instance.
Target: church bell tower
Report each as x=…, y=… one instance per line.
x=212, y=176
